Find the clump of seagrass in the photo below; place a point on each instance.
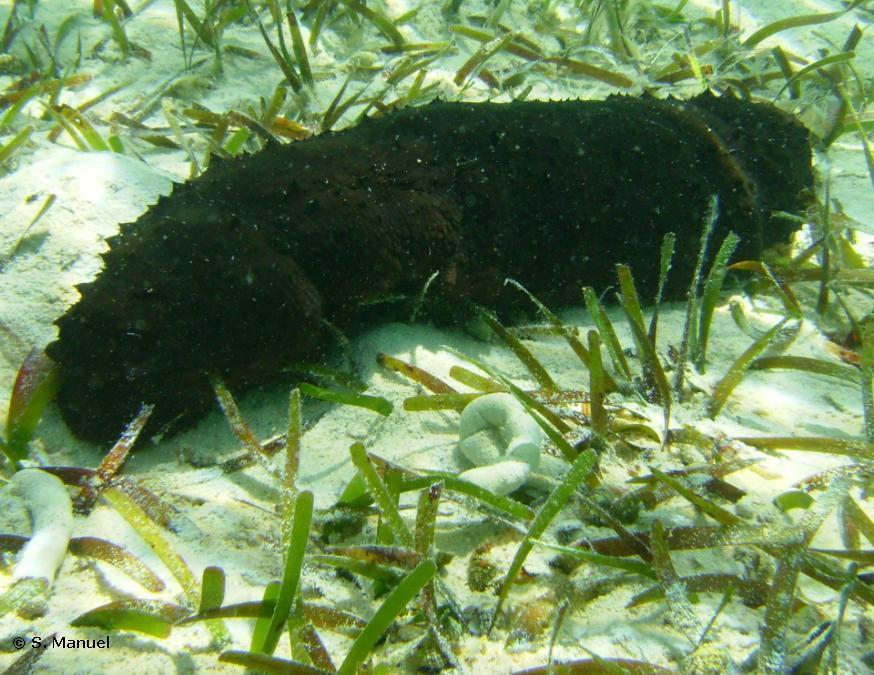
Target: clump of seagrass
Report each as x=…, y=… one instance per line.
x=44, y=491
x=639, y=555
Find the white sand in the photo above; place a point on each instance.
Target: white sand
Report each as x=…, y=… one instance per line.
x=227, y=520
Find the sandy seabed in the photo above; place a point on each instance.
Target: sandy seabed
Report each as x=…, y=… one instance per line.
x=230, y=519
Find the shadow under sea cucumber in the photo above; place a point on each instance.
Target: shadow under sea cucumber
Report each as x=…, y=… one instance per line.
x=237, y=271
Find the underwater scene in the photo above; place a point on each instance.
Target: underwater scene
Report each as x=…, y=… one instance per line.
x=464, y=336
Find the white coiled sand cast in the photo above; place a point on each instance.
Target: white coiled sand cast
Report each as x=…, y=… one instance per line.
x=501, y=440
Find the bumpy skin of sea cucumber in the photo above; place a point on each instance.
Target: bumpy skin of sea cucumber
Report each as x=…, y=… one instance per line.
x=236, y=271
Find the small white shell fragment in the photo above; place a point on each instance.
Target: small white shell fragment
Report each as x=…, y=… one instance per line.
x=502, y=440
x=51, y=513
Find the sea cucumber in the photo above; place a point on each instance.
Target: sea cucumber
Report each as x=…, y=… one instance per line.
x=237, y=271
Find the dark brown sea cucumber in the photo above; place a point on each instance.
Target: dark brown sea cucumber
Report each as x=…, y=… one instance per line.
x=237, y=271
